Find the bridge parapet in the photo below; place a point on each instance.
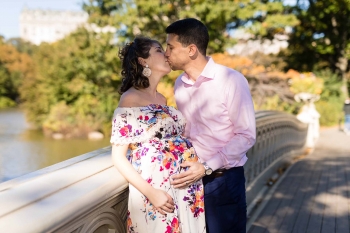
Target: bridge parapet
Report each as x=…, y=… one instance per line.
x=280, y=138
x=86, y=194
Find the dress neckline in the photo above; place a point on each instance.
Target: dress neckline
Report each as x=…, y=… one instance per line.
x=146, y=106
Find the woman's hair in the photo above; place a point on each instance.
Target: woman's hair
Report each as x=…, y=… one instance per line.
x=131, y=68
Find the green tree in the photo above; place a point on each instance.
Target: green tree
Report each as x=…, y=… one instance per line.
x=22, y=46
x=15, y=67
x=75, y=89
x=322, y=38
x=261, y=18
x=330, y=105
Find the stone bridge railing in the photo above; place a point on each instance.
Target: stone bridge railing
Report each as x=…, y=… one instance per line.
x=280, y=138
x=87, y=194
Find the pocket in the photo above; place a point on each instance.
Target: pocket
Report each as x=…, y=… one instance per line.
x=235, y=186
x=214, y=186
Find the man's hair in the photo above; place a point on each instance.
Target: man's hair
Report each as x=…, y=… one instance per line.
x=190, y=31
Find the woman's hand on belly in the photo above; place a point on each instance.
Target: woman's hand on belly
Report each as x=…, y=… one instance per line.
x=161, y=200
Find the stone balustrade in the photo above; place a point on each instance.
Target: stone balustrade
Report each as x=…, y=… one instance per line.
x=280, y=138
x=86, y=194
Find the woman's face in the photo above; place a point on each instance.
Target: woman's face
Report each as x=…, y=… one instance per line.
x=157, y=61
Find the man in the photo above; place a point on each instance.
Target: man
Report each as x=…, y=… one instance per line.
x=217, y=104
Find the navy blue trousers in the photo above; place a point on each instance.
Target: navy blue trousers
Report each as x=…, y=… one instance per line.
x=225, y=202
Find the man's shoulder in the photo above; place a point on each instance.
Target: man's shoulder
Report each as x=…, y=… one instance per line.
x=179, y=78
x=227, y=72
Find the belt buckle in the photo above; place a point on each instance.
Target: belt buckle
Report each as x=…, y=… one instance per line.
x=218, y=173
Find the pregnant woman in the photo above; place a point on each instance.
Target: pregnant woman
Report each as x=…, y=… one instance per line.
x=152, y=132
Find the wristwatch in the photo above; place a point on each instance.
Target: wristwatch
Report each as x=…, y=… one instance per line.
x=208, y=170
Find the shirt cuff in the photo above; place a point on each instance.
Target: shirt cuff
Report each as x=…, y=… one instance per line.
x=215, y=162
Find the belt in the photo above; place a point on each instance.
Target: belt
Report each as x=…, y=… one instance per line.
x=220, y=172
x=217, y=173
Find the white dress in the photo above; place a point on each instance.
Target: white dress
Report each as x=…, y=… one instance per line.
x=153, y=133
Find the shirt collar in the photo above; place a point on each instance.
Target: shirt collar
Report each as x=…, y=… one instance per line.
x=208, y=72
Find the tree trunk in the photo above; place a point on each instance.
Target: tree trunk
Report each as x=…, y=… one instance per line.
x=342, y=61
x=342, y=66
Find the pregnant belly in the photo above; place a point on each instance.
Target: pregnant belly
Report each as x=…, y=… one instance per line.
x=181, y=148
x=164, y=155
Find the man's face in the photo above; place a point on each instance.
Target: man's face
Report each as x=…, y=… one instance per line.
x=176, y=54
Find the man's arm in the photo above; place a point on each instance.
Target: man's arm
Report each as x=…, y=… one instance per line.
x=242, y=115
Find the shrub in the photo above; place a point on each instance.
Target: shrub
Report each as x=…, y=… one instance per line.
x=330, y=111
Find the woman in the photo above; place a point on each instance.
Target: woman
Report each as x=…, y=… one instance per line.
x=152, y=131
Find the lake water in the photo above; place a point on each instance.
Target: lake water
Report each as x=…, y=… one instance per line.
x=23, y=150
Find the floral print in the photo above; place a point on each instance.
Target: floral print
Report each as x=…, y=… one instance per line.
x=173, y=226
x=157, y=149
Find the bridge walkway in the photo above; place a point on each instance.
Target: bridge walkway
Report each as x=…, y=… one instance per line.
x=313, y=195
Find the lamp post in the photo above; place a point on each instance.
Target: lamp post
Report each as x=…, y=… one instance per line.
x=310, y=116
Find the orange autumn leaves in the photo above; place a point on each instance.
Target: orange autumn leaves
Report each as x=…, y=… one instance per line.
x=299, y=82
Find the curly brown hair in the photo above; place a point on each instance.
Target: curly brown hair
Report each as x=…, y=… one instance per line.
x=131, y=68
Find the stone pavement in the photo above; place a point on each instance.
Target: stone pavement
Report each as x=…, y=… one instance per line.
x=314, y=195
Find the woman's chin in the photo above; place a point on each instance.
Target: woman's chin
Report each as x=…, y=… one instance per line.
x=168, y=71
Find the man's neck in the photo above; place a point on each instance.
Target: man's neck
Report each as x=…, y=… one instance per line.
x=195, y=67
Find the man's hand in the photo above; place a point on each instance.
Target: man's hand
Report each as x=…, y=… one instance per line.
x=195, y=172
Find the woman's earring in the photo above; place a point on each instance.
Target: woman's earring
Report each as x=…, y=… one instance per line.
x=146, y=71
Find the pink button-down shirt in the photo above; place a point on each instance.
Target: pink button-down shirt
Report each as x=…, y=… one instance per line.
x=220, y=115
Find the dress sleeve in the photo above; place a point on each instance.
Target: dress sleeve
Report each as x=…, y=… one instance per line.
x=126, y=129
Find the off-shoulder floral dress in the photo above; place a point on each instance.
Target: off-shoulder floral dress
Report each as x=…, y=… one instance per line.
x=157, y=148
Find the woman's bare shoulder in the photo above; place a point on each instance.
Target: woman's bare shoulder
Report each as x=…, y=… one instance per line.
x=130, y=98
x=133, y=98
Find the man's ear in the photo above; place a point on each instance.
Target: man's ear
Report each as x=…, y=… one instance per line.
x=141, y=61
x=192, y=50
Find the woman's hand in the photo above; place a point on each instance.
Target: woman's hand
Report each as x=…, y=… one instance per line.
x=160, y=199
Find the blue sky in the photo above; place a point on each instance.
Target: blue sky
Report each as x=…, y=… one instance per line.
x=10, y=11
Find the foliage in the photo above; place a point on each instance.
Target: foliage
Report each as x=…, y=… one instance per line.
x=150, y=18
x=74, y=89
x=166, y=87
x=321, y=39
x=330, y=112
x=306, y=82
x=268, y=85
x=330, y=105
x=14, y=68
x=274, y=102
x=332, y=85
x=6, y=102
x=22, y=46
x=76, y=83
